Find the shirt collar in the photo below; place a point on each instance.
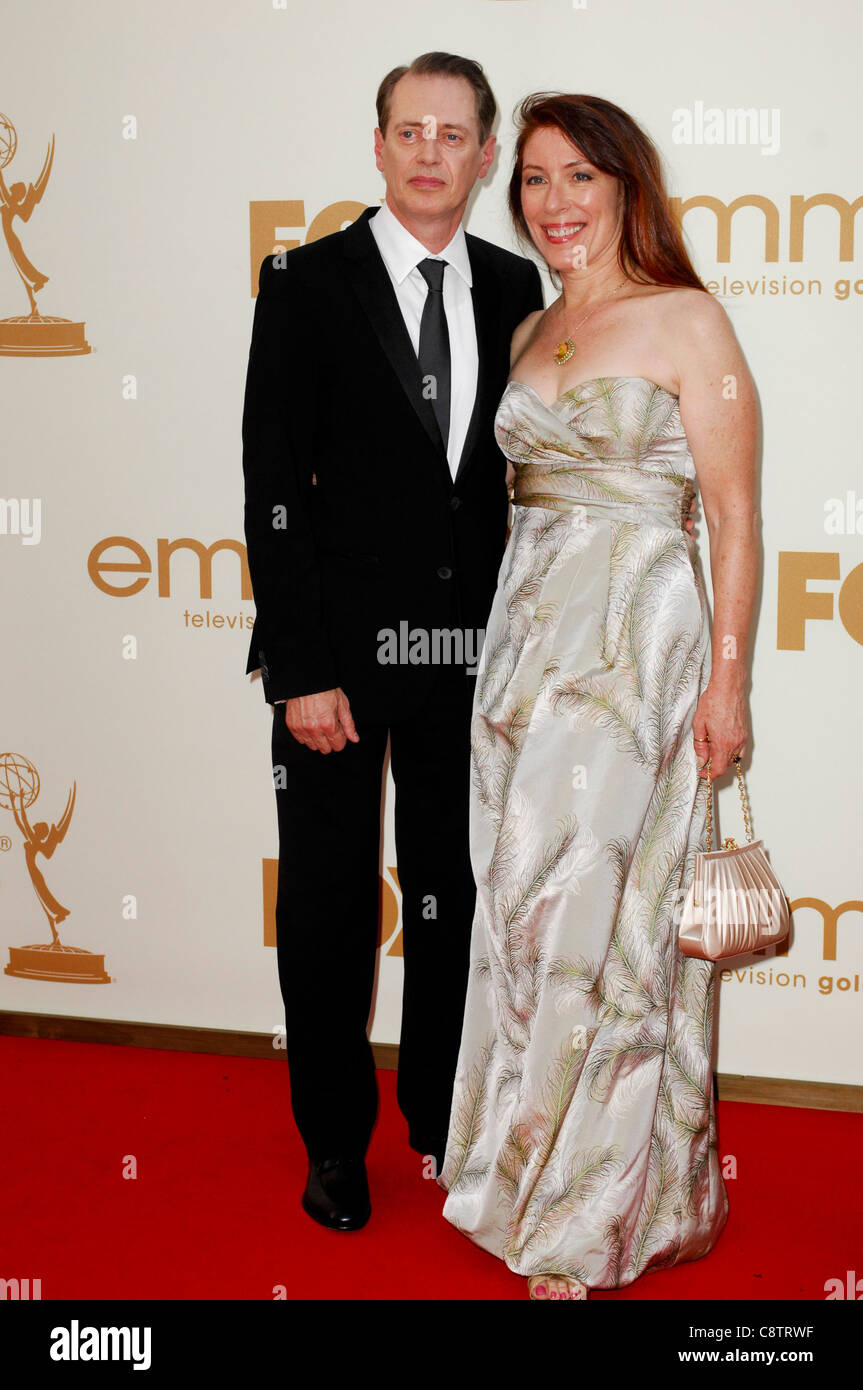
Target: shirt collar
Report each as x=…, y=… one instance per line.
x=402, y=252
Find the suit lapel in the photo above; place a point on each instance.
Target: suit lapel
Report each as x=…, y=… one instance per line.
x=487, y=313
x=373, y=288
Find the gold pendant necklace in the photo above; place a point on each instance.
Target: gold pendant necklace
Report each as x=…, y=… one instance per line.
x=564, y=350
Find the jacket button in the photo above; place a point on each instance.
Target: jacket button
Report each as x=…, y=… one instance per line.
x=444, y=572
x=455, y=503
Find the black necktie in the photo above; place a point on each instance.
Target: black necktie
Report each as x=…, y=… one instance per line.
x=434, y=358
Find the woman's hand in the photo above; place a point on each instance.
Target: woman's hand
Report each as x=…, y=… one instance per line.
x=720, y=728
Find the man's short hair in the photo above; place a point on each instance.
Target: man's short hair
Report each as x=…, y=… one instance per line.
x=447, y=65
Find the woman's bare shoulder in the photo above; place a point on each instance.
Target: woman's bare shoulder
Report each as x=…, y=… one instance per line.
x=687, y=305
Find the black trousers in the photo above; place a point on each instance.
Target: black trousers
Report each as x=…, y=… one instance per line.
x=327, y=912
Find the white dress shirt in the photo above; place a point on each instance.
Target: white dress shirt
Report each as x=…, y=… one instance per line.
x=401, y=254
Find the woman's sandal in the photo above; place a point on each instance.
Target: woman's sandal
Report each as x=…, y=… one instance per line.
x=578, y=1290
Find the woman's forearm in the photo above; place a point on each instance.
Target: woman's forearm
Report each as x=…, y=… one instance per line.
x=735, y=547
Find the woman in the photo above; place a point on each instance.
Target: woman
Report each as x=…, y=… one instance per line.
x=582, y=1143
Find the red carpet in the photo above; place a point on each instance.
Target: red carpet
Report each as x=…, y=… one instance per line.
x=214, y=1211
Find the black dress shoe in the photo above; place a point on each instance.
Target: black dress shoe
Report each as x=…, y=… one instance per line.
x=337, y=1193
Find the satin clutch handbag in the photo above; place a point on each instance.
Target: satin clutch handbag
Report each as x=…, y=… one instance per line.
x=735, y=902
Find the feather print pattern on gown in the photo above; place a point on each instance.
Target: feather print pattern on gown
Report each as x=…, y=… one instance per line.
x=582, y=1136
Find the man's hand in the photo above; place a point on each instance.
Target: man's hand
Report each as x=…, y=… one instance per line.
x=688, y=526
x=322, y=721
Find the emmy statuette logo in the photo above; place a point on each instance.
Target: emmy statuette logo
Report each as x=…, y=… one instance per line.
x=19, y=788
x=33, y=334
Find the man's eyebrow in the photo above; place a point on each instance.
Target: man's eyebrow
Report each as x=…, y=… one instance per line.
x=441, y=125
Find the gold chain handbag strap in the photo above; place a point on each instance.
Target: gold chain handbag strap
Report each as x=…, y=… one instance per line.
x=744, y=802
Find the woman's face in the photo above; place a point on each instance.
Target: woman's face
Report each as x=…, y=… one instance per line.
x=573, y=210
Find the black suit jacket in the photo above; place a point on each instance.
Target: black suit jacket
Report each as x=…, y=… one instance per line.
x=353, y=521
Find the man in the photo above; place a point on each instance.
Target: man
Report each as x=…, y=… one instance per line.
x=376, y=503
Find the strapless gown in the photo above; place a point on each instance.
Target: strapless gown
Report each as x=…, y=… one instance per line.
x=582, y=1137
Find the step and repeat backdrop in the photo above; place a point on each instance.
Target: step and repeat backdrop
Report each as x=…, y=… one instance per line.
x=150, y=156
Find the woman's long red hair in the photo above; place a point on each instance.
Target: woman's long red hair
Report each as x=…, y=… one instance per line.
x=651, y=244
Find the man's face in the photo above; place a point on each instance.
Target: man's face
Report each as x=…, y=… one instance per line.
x=431, y=155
